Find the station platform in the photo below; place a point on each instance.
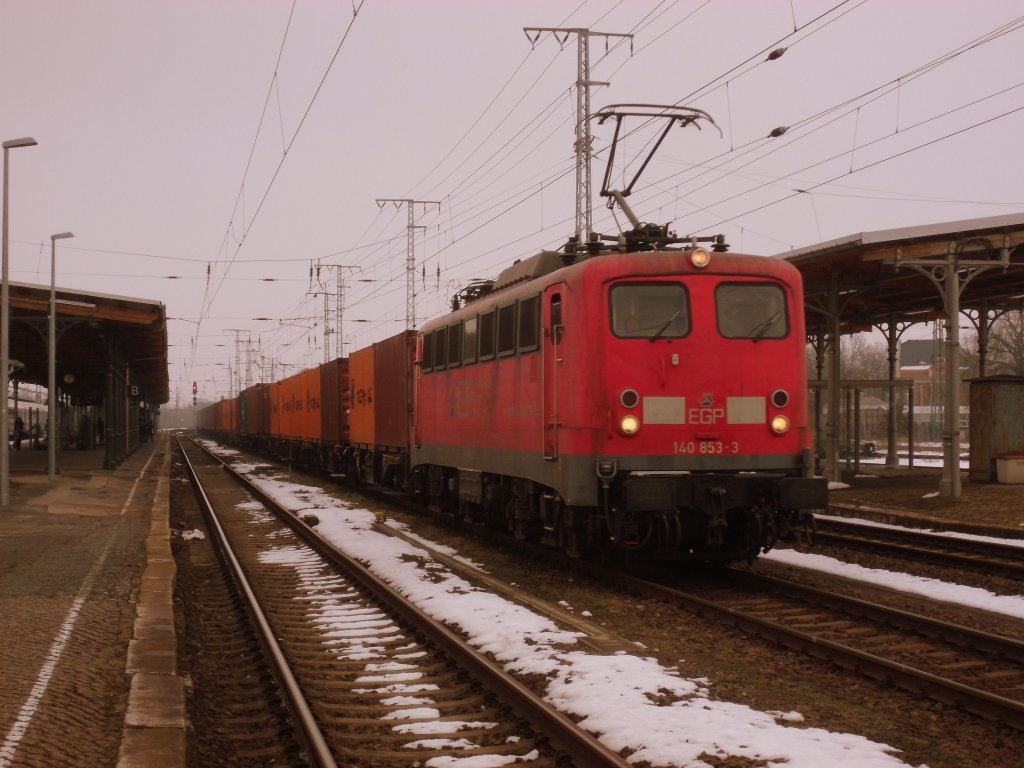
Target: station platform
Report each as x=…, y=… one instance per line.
x=900, y=495
x=88, y=660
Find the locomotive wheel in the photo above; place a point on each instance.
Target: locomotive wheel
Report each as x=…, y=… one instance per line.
x=753, y=536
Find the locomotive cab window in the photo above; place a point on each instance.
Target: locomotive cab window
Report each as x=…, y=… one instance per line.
x=751, y=311
x=488, y=335
x=506, y=330
x=455, y=345
x=650, y=311
x=529, y=325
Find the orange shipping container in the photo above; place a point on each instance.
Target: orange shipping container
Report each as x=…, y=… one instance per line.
x=273, y=392
x=393, y=359
x=361, y=431
x=299, y=405
x=334, y=400
x=223, y=412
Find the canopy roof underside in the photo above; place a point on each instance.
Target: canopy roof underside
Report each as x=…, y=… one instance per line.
x=94, y=331
x=873, y=278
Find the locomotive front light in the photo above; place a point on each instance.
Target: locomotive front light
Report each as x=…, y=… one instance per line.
x=700, y=258
x=780, y=398
x=629, y=425
x=629, y=398
x=780, y=425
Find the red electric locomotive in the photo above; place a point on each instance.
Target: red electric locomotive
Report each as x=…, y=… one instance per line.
x=648, y=400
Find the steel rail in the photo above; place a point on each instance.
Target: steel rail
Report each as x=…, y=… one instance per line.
x=973, y=555
x=967, y=637
x=904, y=676
x=309, y=728
x=585, y=750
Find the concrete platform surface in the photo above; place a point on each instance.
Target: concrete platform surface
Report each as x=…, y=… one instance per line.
x=88, y=660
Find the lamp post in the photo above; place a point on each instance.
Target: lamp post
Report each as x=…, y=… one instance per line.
x=51, y=382
x=5, y=339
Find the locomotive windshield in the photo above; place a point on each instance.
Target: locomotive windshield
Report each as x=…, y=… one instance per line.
x=650, y=310
x=751, y=311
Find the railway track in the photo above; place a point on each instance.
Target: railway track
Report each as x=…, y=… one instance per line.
x=368, y=677
x=990, y=558
x=975, y=671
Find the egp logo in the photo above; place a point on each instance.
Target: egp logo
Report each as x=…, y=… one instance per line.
x=706, y=413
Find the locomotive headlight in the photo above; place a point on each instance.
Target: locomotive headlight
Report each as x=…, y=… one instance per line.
x=700, y=258
x=629, y=425
x=780, y=425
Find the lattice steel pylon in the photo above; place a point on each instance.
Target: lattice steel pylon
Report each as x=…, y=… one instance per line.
x=410, y=254
x=583, y=143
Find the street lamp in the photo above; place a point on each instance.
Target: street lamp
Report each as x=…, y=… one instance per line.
x=5, y=339
x=51, y=382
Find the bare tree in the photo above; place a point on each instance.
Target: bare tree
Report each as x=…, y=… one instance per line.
x=864, y=358
x=1006, y=344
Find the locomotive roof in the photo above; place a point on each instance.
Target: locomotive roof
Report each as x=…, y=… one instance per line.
x=547, y=262
x=542, y=264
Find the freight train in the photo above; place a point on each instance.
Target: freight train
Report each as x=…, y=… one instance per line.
x=634, y=394
x=651, y=402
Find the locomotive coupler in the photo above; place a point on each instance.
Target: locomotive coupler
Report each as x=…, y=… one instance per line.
x=606, y=471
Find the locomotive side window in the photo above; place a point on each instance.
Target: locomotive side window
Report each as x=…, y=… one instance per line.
x=506, y=330
x=529, y=323
x=650, y=311
x=556, y=318
x=751, y=311
x=440, y=348
x=469, y=341
x=427, y=361
x=455, y=345
x=488, y=328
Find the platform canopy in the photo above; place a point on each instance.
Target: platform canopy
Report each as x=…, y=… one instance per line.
x=94, y=332
x=894, y=278
x=872, y=274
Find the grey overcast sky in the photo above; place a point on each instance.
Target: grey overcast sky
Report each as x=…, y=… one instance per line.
x=208, y=154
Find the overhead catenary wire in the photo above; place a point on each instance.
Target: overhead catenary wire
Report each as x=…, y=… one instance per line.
x=453, y=192
x=470, y=212
x=210, y=297
x=759, y=141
